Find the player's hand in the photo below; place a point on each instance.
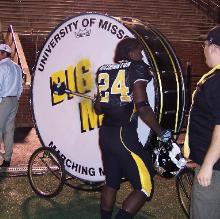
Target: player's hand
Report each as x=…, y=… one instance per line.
x=59, y=89
x=96, y=104
x=96, y=98
x=165, y=136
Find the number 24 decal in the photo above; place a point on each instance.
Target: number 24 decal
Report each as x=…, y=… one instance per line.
x=118, y=86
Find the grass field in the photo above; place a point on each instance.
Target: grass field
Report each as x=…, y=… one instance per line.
x=18, y=201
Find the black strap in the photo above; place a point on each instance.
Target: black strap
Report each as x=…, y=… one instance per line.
x=141, y=104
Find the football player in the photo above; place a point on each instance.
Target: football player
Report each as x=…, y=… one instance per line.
x=122, y=97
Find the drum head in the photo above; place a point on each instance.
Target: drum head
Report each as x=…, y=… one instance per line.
x=69, y=60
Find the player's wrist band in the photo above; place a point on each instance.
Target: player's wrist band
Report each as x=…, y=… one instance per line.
x=142, y=104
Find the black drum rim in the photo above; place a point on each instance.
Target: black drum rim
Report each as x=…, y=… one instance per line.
x=178, y=73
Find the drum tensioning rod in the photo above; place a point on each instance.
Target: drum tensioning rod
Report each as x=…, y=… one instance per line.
x=79, y=95
x=60, y=89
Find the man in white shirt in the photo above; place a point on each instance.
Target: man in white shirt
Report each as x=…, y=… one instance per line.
x=10, y=91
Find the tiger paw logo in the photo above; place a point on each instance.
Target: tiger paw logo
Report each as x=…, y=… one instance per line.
x=83, y=33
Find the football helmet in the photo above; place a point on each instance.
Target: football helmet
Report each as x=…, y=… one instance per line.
x=168, y=159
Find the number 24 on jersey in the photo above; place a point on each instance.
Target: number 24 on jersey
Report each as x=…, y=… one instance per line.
x=118, y=87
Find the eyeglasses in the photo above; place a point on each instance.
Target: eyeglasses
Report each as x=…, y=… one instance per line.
x=206, y=44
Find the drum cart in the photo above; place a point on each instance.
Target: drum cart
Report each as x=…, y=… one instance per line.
x=87, y=34
x=47, y=174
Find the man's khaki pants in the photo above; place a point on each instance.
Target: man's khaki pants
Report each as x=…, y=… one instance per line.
x=205, y=201
x=8, y=110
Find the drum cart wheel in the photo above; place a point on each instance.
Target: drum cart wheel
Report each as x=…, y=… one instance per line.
x=184, y=182
x=46, y=172
x=47, y=176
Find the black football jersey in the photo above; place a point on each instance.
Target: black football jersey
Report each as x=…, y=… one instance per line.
x=115, y=84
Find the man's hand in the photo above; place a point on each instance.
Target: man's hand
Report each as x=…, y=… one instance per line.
x=212, y=156
x=205, y=175
x=191, y=164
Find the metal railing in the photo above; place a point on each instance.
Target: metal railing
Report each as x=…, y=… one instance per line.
x=18, y=56
x=16, y=52
x=210, y=7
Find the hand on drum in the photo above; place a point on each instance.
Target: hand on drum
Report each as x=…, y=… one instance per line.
x=60, y=88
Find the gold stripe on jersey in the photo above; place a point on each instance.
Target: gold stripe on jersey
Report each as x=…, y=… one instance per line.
x=144, y=174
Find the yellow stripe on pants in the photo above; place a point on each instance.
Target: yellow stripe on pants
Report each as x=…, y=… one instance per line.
x=144, y=174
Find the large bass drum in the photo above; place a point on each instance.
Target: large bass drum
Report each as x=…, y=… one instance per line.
x=70, y=57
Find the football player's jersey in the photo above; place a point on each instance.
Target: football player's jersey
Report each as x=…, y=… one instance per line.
x=115, y=84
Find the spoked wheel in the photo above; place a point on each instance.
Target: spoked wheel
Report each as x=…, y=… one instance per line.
x=46, y=172
x=184, y=182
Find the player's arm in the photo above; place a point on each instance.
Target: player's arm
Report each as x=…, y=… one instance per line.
x=143, y=107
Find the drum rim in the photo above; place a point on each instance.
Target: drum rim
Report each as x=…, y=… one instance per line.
x=177, y=64
x=156, y=86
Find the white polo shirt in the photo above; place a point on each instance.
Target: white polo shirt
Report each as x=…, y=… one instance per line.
x=10, y=79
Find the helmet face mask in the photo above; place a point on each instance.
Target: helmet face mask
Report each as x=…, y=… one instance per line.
x=168, y=160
